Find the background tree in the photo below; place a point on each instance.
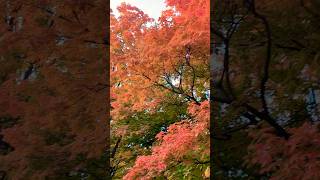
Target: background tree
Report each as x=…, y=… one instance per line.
x=265, y=82
x=53, y=89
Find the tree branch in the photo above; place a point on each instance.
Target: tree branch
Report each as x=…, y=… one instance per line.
x=265, y=77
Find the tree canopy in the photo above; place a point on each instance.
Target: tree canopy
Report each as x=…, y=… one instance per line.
x=265, y=89
x=53, y=89
x=160, y=93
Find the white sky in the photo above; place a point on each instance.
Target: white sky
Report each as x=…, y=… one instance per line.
x=151, y=7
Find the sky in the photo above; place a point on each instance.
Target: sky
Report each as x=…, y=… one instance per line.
x=151, y=7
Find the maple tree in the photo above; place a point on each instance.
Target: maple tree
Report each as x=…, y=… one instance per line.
x=265, y=89
x=53, y=89
x=159, y=98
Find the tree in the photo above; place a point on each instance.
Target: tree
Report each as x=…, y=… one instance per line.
x=53, y=86
x=261, y=77
x=158, y=70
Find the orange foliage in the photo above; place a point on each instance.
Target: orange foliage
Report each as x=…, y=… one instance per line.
x=296, y=158
x=141, y=52
x=60, y=104
x=182, y=141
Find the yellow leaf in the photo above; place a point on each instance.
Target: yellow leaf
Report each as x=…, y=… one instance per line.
x=207, y=172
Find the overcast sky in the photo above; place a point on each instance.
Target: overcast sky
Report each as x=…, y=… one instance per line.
x=151, y=7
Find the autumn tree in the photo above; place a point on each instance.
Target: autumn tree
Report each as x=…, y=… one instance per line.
x=53, y=89
x=160, y=78
x=264, y=70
